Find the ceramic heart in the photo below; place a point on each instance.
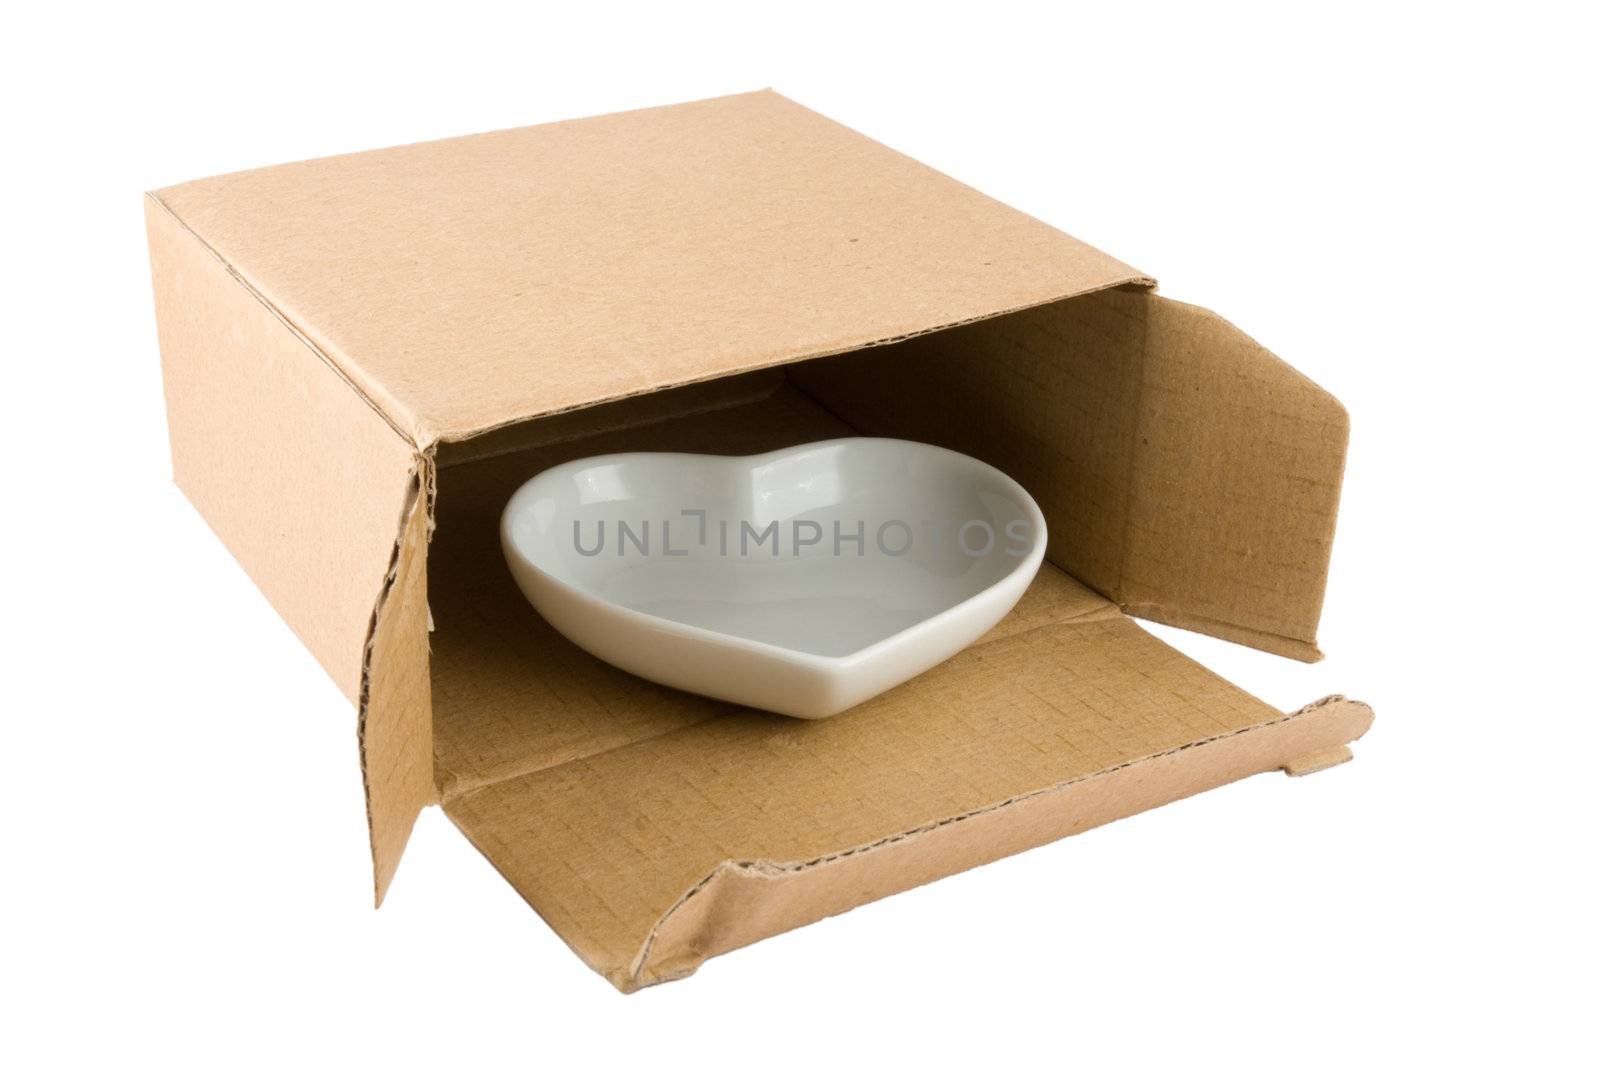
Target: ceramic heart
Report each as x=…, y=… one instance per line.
x=802, y=581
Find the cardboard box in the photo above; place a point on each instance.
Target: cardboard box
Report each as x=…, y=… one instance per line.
x=365, y=355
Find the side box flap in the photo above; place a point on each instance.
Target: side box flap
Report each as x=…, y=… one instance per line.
x=1234, y=485
x=396, y=712
x=1186, y=472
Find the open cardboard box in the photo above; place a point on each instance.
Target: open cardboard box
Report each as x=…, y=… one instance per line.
x=365, y=355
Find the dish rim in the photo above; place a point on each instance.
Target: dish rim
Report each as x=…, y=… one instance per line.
x=1029, y=563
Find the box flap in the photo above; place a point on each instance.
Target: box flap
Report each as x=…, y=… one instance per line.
x=1186, y=472
x=1035, y=733
x=395, y=724
x=743, y=901
x=469, y=283
x=654, y=828
x=1233, y=490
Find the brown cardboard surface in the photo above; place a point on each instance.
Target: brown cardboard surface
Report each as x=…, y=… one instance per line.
x=308, y=486
x=610, y=803
x=342, y=339
x=509, y=694
x=1186, y=472
x=744, y=901
x=302, y=480
x=395, y=724
x=469, y=283
x=1234, y=485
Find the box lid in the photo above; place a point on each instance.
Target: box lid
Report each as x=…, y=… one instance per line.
x=469, y=283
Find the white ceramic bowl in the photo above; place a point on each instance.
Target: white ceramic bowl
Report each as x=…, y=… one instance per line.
x=802, y=581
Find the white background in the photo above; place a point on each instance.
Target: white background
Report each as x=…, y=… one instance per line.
x=1401, y=204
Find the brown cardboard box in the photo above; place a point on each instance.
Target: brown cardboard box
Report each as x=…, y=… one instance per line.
x=364, y=355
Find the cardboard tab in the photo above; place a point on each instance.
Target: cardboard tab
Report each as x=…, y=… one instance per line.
x=1312, y=762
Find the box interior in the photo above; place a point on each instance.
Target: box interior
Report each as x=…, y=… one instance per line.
x=604, y=798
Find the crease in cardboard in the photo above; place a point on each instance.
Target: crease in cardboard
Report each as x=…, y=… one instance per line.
x=279, y=314
x=1136, y=418
x=451, y=787
x=435, y=436
x=766, y=382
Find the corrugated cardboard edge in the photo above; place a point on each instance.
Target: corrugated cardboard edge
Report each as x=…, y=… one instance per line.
x=297, y=471
x=395, y=716
x=743, y=901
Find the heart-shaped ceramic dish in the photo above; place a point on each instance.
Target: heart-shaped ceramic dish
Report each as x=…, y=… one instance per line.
x=802, y=581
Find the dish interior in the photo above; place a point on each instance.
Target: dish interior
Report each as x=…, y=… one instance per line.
x=825, y=549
